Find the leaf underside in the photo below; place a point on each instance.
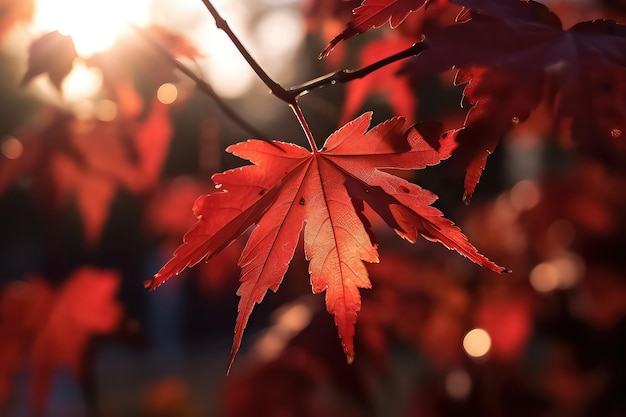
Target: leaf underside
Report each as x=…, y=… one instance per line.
x=289, y=190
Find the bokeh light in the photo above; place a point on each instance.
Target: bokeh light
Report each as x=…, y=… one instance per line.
x=11, y=148
x=288, y=322
x=106, y=110
x=477, y=343
x=458, y=384
x=525, y=195
x=167, y=93
x=561, y=272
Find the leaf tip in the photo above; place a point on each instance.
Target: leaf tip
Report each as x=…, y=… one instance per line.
x=350, y=359
x=467, y=199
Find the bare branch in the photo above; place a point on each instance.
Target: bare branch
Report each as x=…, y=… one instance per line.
x=202, y=86
x=346, y=75
x=275, y=88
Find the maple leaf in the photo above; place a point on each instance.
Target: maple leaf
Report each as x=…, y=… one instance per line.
x=89, y=160
x=374, y=14
x=507, y=74
x=52, y=54
x=322, y=193
x=49, y=329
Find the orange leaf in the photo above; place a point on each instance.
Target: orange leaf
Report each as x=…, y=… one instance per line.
x=51, y=329
x=373, y=14
x=289, y=189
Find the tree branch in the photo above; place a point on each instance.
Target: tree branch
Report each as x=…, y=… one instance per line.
x=275, y=88
x=346, y=75
x=202, y=85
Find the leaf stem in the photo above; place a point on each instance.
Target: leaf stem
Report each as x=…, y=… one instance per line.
x=201, y=85
x=346, y=75
x=305, y=126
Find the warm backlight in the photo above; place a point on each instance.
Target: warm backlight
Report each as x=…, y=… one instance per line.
x=92, y=24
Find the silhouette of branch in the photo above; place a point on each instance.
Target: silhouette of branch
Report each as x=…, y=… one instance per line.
x=346, y=75
x=202, y=86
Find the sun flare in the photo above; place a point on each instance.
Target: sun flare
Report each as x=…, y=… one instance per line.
x=92, y=24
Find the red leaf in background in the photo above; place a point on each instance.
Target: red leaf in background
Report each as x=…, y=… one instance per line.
x=423, y=304
x=50, y=329
x=497, y=109
x=168, y=212
x=289, y=188
x=168, y=215
x=326, y=18
x=385, y=81
x=52, y=54
x=89, y=160
x=23, y=305
x=373, y=14
x=507, y=74
x=134, y=56
x=13, y=12
x=152, y=140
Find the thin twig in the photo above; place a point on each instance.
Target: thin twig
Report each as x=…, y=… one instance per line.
x=290, y=96
x=275, y=88
x=202, y=85
x=346, y=75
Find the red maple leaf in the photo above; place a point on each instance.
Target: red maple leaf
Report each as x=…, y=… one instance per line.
x=373, y=14
x=289, y=189
x=510, y=51
x=50, y=329
x=89, y=160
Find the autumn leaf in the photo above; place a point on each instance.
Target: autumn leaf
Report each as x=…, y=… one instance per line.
x=49, y=329
x=322, y=193
x=373, y=14
x=89, y=160
x=531, y=59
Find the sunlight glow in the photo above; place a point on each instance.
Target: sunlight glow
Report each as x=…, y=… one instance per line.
x=477, y=343
x=229, y=74
x=272, y=29
x=92, y=24
x=83, y=82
